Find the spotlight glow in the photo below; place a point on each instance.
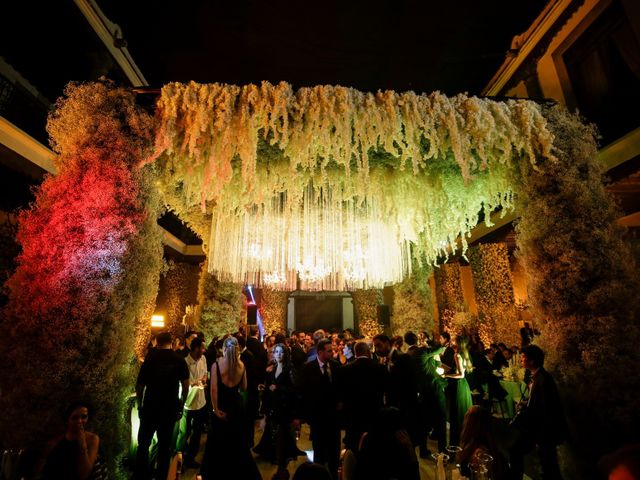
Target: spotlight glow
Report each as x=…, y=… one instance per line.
x=157, y=321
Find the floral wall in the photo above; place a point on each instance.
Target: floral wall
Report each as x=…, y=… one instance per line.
x=86, y=275
x=178, y=289
x=448, y=293
x=494, y=293
x=365, y=306
x=583, y=287
x=274, y=310
x=221, y=306
x=412, y=309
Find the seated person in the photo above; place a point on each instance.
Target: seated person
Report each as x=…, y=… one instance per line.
x=76, y=454
x=477, y=440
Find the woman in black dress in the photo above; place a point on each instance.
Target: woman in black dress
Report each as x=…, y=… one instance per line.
x=226, y=454
x=76, y=455
x=278, y=442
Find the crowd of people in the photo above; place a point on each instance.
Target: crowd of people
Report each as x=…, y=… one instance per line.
x=382, y=398
x=388, y=395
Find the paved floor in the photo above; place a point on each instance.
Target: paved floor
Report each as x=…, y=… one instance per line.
x=427, y=467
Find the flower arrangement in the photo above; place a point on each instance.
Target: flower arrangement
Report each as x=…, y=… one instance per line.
x=425, y=164
x=514, y=372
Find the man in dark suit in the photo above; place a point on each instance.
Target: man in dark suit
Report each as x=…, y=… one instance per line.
x=317, y=386
x=403, y=385
x=483, y=375
x=316, y=337
x=298, y=355
x=447, y=359
x=526, y=335
x=255, y=346
x=159, y=407
x=540, y=418
x=418, y=355
x=362, y=387
x=499, y=360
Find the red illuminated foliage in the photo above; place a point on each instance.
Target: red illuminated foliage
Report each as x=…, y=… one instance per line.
x=87, y=274
x=74, y=238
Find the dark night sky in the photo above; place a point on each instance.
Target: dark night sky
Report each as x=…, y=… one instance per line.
x=452, y=46
x=417, y=45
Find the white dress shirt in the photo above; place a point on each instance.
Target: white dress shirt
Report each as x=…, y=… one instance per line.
x=197, y=369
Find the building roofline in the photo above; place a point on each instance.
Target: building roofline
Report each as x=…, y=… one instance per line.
x=523, y=45
x=111, y=36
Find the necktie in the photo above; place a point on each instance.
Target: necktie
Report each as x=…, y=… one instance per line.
x=327, y=372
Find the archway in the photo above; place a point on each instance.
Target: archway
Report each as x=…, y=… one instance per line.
x=419, y=170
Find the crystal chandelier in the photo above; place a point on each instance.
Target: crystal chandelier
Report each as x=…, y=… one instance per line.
x=314, y=244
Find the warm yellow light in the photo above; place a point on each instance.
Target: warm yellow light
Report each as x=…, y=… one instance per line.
x=324, y=243
x=157, y=321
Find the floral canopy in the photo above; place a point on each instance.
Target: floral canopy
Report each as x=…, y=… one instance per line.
x=341, y=188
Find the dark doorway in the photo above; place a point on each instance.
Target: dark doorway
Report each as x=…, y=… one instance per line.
x=318, y=311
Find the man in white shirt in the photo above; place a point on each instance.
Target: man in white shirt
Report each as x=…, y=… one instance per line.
x=195, y=404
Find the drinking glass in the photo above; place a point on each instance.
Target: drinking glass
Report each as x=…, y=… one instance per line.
x=10, y=463
x=479, y=472
x=454, y=455
x=445, y=462
x=487, y=461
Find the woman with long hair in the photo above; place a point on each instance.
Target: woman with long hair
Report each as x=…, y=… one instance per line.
x=226, y=453
x=479, y=446
x=76, y=454
x=278, y=442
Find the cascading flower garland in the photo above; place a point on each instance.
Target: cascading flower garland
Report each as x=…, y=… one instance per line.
x=331, y=168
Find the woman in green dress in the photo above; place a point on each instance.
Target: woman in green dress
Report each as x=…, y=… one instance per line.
x=460, y=400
